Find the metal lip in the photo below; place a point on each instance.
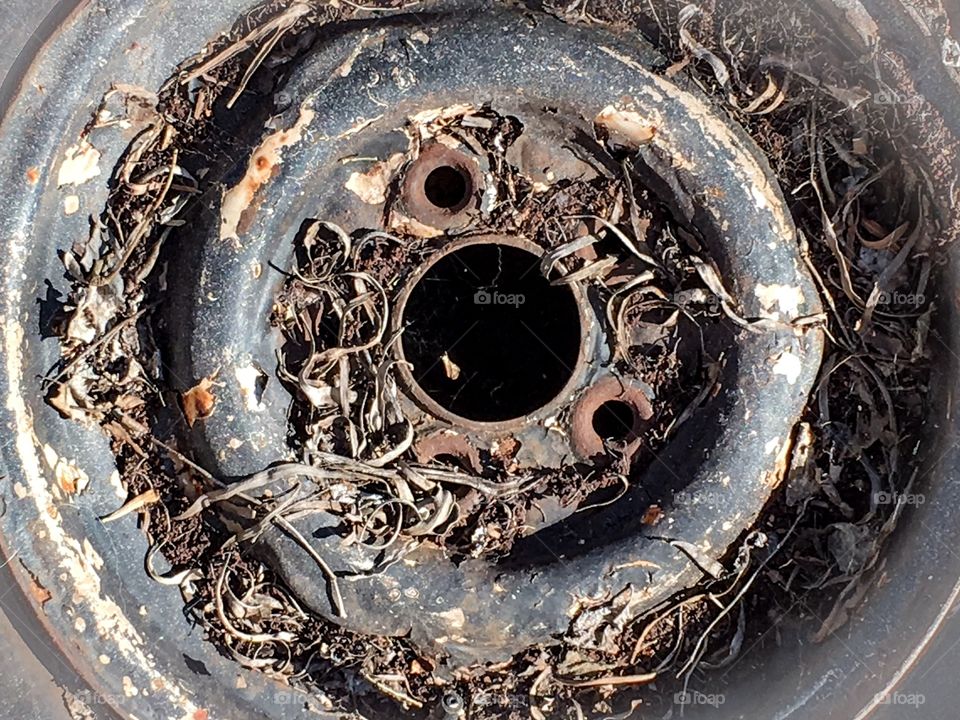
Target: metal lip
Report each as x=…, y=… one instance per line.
x=413, y=192
x=425, y=402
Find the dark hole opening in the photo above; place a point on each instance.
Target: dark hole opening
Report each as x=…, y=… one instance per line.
x=447, y=187
x=613, y=420
x=488, y=336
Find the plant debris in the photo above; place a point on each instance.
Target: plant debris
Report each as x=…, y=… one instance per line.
x=864, y=217
x=199, y=402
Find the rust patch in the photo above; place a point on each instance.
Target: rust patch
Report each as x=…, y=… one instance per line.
x=40, y=595
x=198, y=402
x=587, y=443
x=448, y=443
x=264, y=163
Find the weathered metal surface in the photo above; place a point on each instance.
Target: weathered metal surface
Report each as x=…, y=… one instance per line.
x=127, y=637
x=918, y=561
x=717, y=183
x=414, y=198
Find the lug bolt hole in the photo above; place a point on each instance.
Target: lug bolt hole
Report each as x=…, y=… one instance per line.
x=447, y=188
x=614, y=420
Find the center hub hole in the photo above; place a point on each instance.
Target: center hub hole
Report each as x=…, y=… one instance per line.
x=447, y=188
x=488, y=336
x=614, y=420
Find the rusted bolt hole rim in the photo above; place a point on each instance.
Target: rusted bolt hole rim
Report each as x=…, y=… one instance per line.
x=609, y=410
x=412, y=377
x=448, y=188
x=441, y=186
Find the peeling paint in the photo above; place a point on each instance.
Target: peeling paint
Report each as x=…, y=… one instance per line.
x=951, y=52
x=429, y=122
x=454, y=617
x=372, y=186
x=263, y=164
x=411, y=226
x=786, y=298
x=742, y=163
x=252, y=381
x=627, y=128
x=346, y=67
x=78, y=560
x=71, y=480
x=788, y=365
x=81, y=163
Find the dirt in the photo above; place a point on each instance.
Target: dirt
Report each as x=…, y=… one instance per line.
x=824, y=533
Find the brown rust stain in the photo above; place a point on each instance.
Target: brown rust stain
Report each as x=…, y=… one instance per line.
x=239, y=201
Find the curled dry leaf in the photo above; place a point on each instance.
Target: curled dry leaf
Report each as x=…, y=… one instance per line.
x=199, y=402
x=139, y=502
x=450, y=368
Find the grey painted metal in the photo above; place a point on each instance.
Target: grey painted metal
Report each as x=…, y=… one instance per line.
x=836, y=681
x=726, y=455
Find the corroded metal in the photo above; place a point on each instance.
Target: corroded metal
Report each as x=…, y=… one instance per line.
x=717, y=182
x=86, y=573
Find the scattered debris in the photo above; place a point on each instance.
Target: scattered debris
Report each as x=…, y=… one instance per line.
x=199, y=402
x=135, y=504
x=665, y=302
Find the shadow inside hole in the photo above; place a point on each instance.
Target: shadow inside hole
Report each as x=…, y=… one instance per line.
x=488, y=336
x=614, y=420
x=447, y=188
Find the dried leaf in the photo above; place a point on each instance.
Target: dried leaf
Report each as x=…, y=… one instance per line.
x=66, y=399
x=699, y=51
x=198, y=401
x=652, y=515
x=450, y=368
x=139, y=502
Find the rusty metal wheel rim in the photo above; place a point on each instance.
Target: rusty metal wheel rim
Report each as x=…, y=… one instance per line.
x=11, y=340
